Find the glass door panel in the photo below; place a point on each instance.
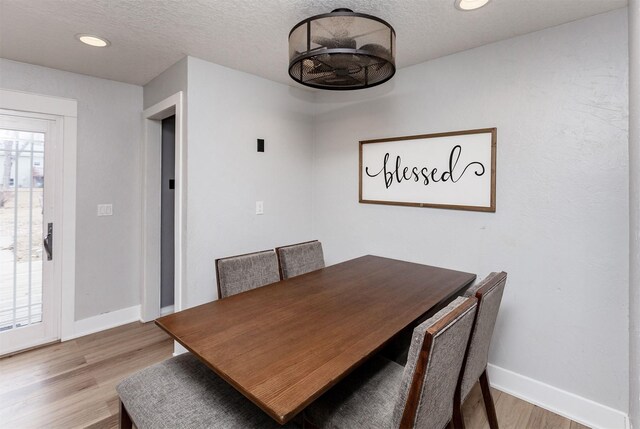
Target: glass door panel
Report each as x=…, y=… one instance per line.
x=26, y=314
x=21, y=232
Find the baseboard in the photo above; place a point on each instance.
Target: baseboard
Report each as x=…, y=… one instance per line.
x=566, y=404
x=104, y=321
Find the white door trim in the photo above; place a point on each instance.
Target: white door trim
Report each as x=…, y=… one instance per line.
x=66, y=110
x=151, y=226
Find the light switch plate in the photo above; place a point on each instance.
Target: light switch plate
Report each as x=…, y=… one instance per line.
x=105, y=209
x=259, y=207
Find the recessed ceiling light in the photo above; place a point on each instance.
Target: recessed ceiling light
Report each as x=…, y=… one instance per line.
x=91, y=40
x=470, y=4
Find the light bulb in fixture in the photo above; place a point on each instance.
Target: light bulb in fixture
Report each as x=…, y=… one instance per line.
x=470, y=4
x=92, y=40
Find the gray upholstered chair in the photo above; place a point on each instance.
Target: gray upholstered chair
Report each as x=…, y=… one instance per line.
x=241, y=273
x=301, y=258
x=383, y=394
x=182, y=392
x=489, y=294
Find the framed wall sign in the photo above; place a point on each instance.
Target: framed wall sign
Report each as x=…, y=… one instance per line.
x=455, y=170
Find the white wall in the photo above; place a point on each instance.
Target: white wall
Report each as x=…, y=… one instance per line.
x=559, y=100
x=634, y=213
x=228, y=111
x=109, y=132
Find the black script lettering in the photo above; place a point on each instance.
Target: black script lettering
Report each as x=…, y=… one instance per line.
x=433, y=175
x=404, y=173
x=429, y=176
x=388, y=176
x=455, y=153
x=398, y=161
x=425, y=174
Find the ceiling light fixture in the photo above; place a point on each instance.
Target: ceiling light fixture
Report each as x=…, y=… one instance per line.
x=342, y=50
x=467, y=5
x=92, y=40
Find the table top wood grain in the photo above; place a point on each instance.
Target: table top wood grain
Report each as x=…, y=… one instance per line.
x=285, y=344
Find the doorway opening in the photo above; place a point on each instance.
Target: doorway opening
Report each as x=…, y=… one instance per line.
x=167, y=218
x=164, y=209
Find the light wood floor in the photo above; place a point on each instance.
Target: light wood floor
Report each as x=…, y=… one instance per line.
x=72, y=384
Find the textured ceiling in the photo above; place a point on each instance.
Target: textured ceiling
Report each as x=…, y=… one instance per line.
x=148, y=36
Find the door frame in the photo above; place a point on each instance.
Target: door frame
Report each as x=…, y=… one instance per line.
x=65, y=112
x=151, y=203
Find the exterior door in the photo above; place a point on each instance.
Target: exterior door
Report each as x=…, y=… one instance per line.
x=29, y=300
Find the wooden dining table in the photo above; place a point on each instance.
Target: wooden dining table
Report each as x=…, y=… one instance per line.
x=285, y=344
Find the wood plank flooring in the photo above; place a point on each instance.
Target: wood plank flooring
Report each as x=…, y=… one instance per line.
x=72, y=384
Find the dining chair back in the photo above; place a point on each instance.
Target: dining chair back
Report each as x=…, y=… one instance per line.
x=301, y=258
x=435, y=359
x=489, y=294
x=241, y=273
x=383, y=394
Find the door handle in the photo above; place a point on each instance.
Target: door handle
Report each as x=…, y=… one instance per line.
x=48, y=242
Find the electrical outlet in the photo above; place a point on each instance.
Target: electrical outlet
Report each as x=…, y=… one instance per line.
x=259, y=207
x=105, y=209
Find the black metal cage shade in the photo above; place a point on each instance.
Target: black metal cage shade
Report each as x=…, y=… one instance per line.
x=342, y=50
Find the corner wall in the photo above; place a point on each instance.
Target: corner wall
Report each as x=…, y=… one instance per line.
x=169, y=82
x=559, y=99
x=227, y=111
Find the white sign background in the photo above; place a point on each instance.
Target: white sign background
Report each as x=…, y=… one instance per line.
x=467, y=190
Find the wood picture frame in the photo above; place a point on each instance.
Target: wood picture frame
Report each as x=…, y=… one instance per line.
x=410, y=164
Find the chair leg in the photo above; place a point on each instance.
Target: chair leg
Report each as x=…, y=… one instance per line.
x=488, y=401
x=125, y=418
x=458, y=420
